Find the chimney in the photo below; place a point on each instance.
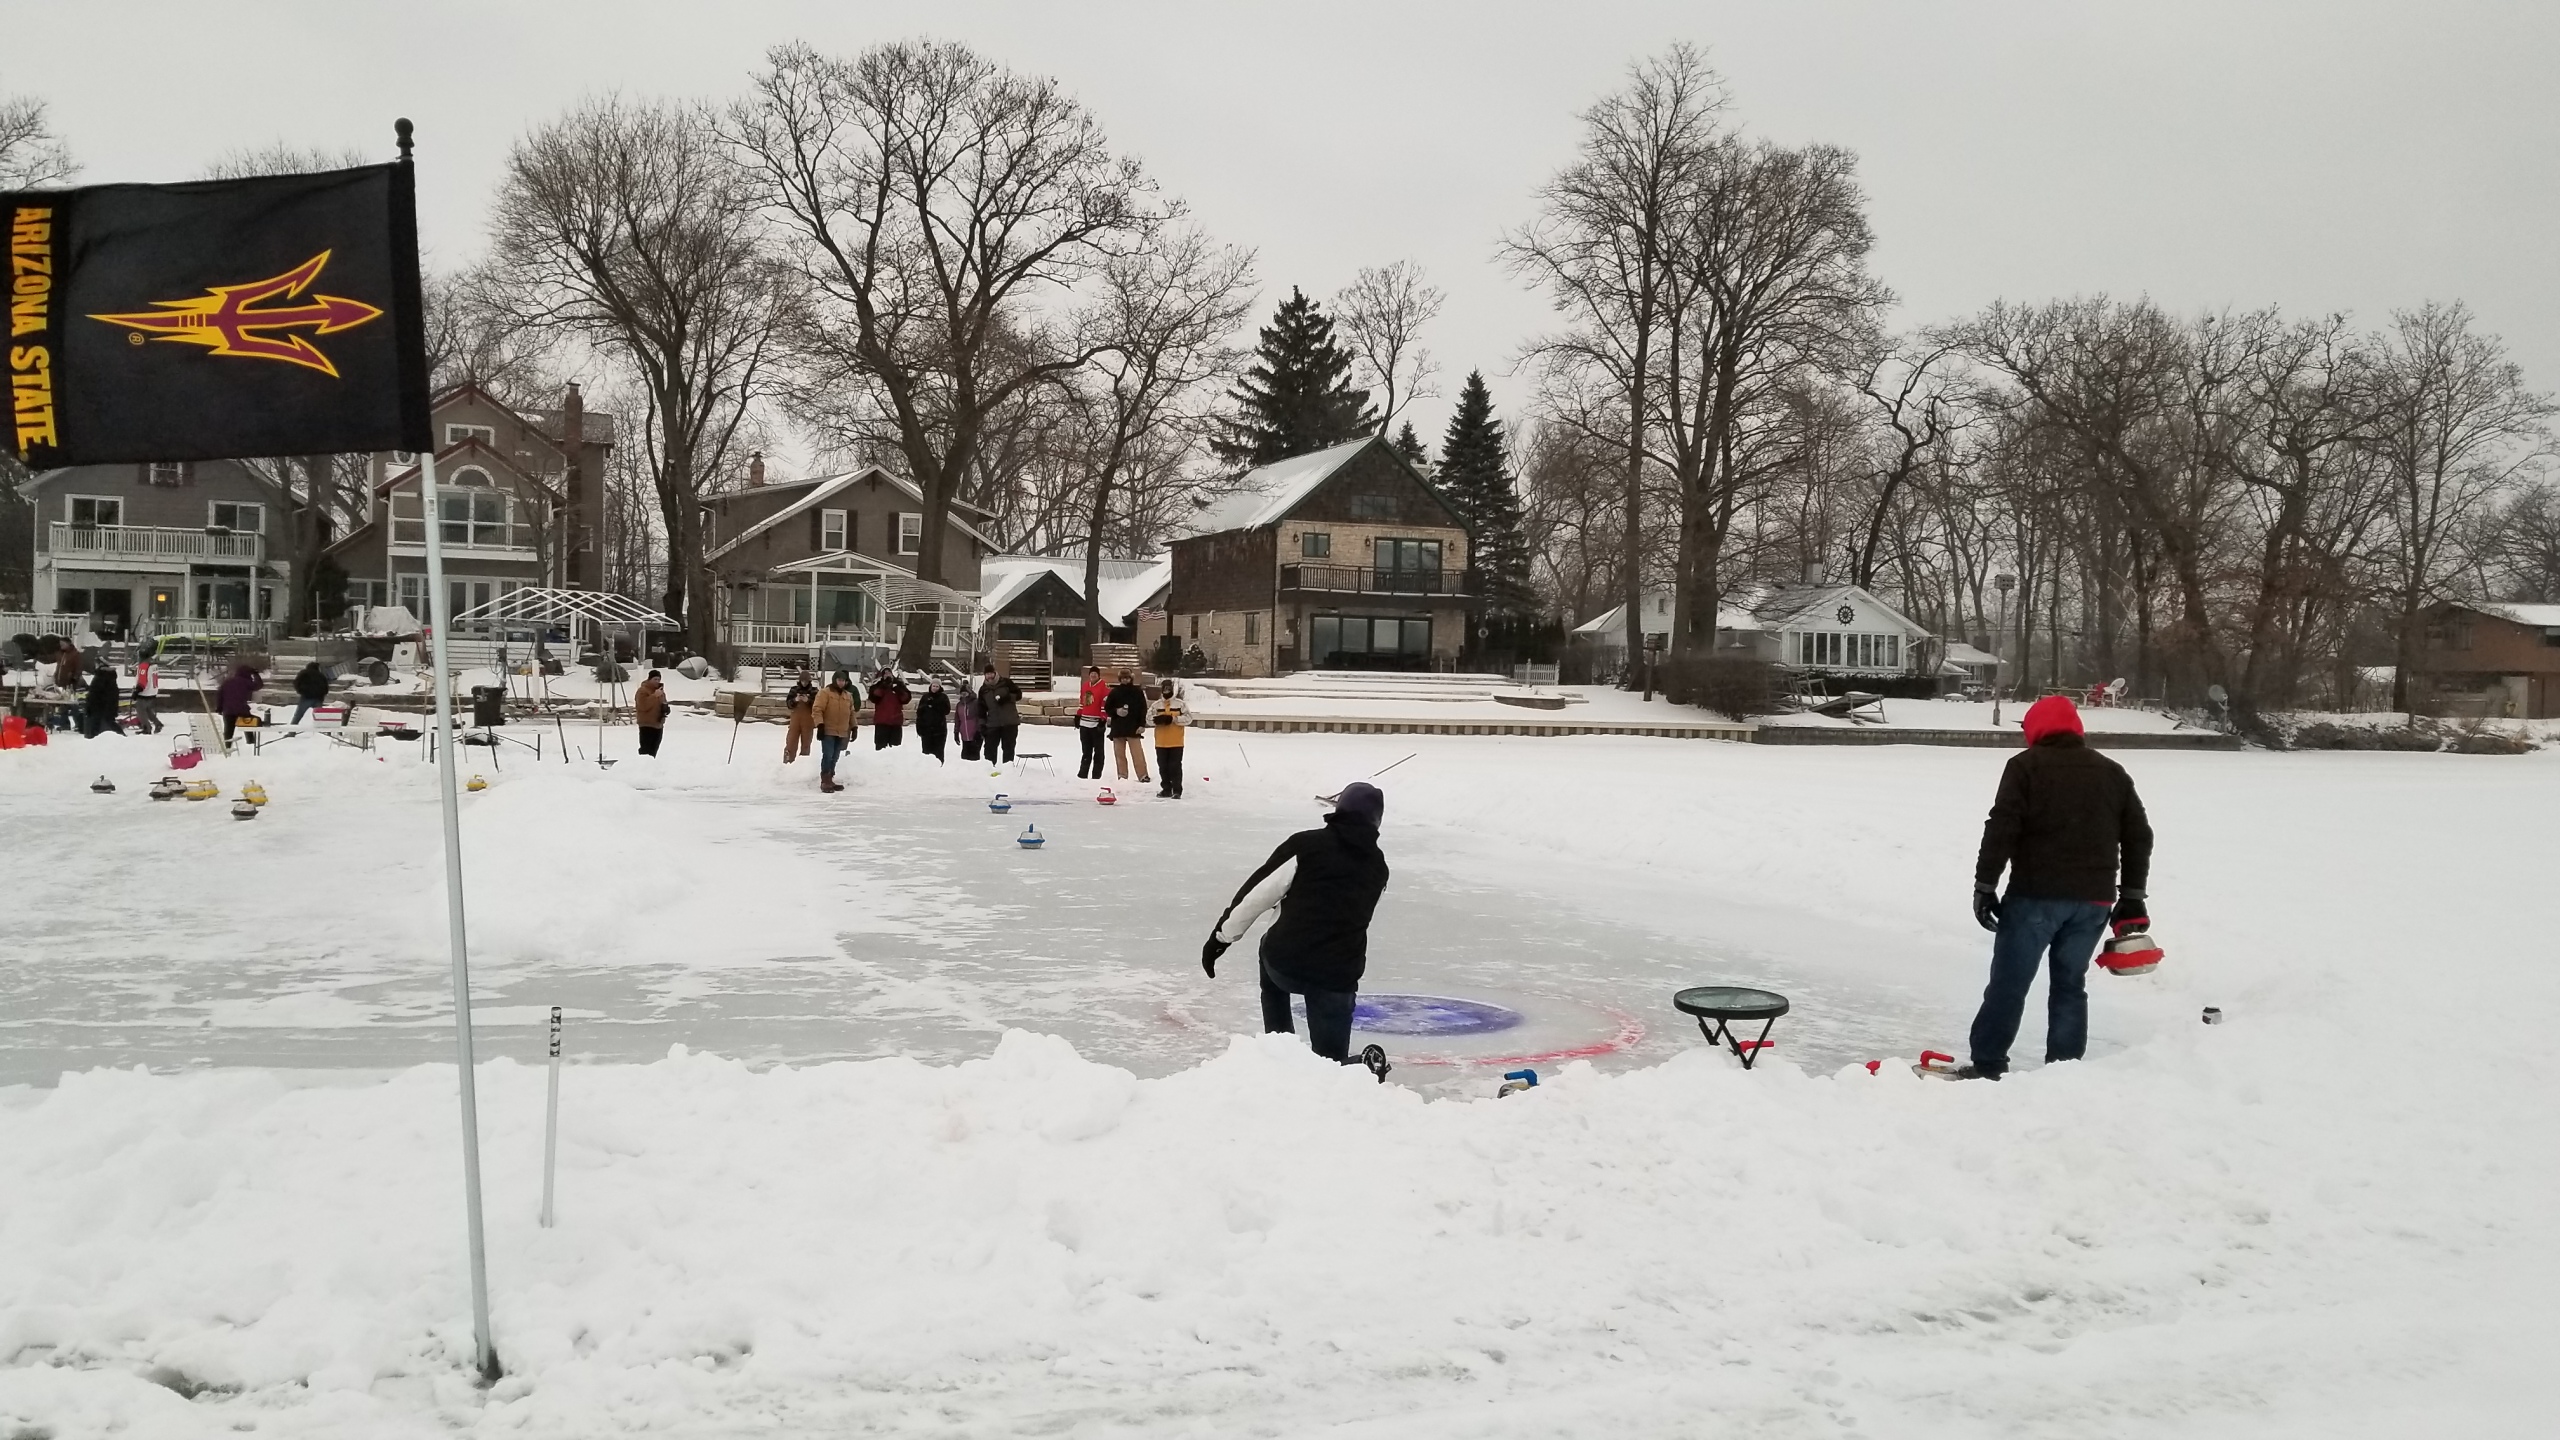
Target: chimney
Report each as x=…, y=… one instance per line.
x=582, y=557
x=755, y=469
x=1813, y=574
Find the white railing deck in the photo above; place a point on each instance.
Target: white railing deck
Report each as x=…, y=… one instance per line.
x=765, y=635
x=67, y=541
x=28, y=622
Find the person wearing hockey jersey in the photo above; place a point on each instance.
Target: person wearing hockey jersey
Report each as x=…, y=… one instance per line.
x=2070, y=830
x=1326, y=883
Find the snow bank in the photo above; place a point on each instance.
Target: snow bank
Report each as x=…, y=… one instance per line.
x=2226, y=1233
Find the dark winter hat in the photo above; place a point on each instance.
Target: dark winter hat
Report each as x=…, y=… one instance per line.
x=1363, y=802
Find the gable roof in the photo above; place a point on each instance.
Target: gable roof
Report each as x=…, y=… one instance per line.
x=821, y=490
x=1793, y=602
x=1125, y=584
x=1266, y=495
x=2545, y=616
x=473, y=449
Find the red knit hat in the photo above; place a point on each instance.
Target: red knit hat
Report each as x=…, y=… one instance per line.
x=2052, y=715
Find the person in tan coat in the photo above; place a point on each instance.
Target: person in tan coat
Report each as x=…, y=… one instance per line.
x=834, y=711
x=649, y=704
x=803, y=704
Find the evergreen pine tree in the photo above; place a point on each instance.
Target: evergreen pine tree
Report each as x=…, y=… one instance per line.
x=1414, y=452
x=1475, y=476
x=1298, y=396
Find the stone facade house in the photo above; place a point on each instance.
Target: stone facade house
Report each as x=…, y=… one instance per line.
x=1345, y=558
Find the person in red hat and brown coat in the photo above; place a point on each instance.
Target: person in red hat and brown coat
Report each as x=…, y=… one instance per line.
x=2071, y=832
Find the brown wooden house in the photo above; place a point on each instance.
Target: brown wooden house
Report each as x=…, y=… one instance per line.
x=2496, y=661
x=1345, y=558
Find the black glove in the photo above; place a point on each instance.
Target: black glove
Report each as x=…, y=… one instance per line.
x=1986, y=906
x=1209, y=954
x=2132, y=911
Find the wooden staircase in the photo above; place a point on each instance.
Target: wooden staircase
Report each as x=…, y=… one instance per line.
x=1024, y=662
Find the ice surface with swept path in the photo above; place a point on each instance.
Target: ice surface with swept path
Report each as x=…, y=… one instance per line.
x=2325, y=1216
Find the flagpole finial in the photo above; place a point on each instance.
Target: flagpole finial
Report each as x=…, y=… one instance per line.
x=406, y=132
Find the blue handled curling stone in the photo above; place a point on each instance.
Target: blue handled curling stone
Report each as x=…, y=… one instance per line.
x=1030, y=838
x=1001, y=803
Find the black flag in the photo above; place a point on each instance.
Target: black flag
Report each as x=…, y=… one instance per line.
x=217, y=320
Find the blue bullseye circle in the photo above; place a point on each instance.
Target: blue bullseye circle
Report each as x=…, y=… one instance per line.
x=1429, y=1015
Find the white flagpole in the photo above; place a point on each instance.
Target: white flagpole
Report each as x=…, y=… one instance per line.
x=438, y=616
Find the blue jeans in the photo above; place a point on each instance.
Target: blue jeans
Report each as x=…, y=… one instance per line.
x=829, y=747
x=2031, y=930
x=1328, y=1014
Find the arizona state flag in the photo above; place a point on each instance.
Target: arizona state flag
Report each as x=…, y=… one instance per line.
x=223, y=319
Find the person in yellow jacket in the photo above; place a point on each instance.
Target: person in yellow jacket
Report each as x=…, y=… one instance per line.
x=1167, y=716
x=835, y=711
x=803, y=705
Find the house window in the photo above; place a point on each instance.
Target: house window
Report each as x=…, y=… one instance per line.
x=1252, y=628
x=1195, y=627
x=71, y=602
x=368, y=593
x=230, y=515
x=910, y=534
x=470, y=475
x=1366, y=639
x=831, y=530
x=1408, y=565
x=478, y=518
x=404, y=457
x=1315, y=545
x=1373, y=507
x=165, y=473
x=87, y=511
x=485, y=434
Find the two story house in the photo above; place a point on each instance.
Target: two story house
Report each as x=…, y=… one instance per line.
x=137, y=550
x=833, y=559
x=1344, y=558
x=515, y=493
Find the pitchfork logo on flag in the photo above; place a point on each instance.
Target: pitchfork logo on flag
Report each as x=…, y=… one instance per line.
x=228, y=320
x=235, y=318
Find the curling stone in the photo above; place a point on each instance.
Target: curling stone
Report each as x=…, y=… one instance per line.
x=2132, y=951
x=476, y=783
x=1106, y=797
x=1515, y=1081
x=102, y=786
x=1001, y=803
x=254, y=793
x=168, y=787
x=203, y=790
x=243, y=810
x=1030, y=838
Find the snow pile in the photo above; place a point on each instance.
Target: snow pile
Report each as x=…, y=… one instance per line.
x=2227, y=1233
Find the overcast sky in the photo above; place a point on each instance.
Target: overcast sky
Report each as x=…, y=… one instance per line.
x=2321, y=155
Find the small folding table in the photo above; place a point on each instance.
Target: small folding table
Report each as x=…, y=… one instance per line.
x=1717, y=1007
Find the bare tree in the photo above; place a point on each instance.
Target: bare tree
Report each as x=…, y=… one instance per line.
x=1160, y=334
x=1766, y=289
x=625, y=226
x=1380, y=316
x=2454, y=428
x=945, y=210
x=31, y=155
x=1601, y=247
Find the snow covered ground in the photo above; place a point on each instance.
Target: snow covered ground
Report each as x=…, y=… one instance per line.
x=881, y=1124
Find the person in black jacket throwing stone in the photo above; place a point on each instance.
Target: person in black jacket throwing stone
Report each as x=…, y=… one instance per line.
x=1326, y=882
x=2070, y=830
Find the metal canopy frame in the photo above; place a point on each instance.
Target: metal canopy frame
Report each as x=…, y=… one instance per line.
x=547, y=605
